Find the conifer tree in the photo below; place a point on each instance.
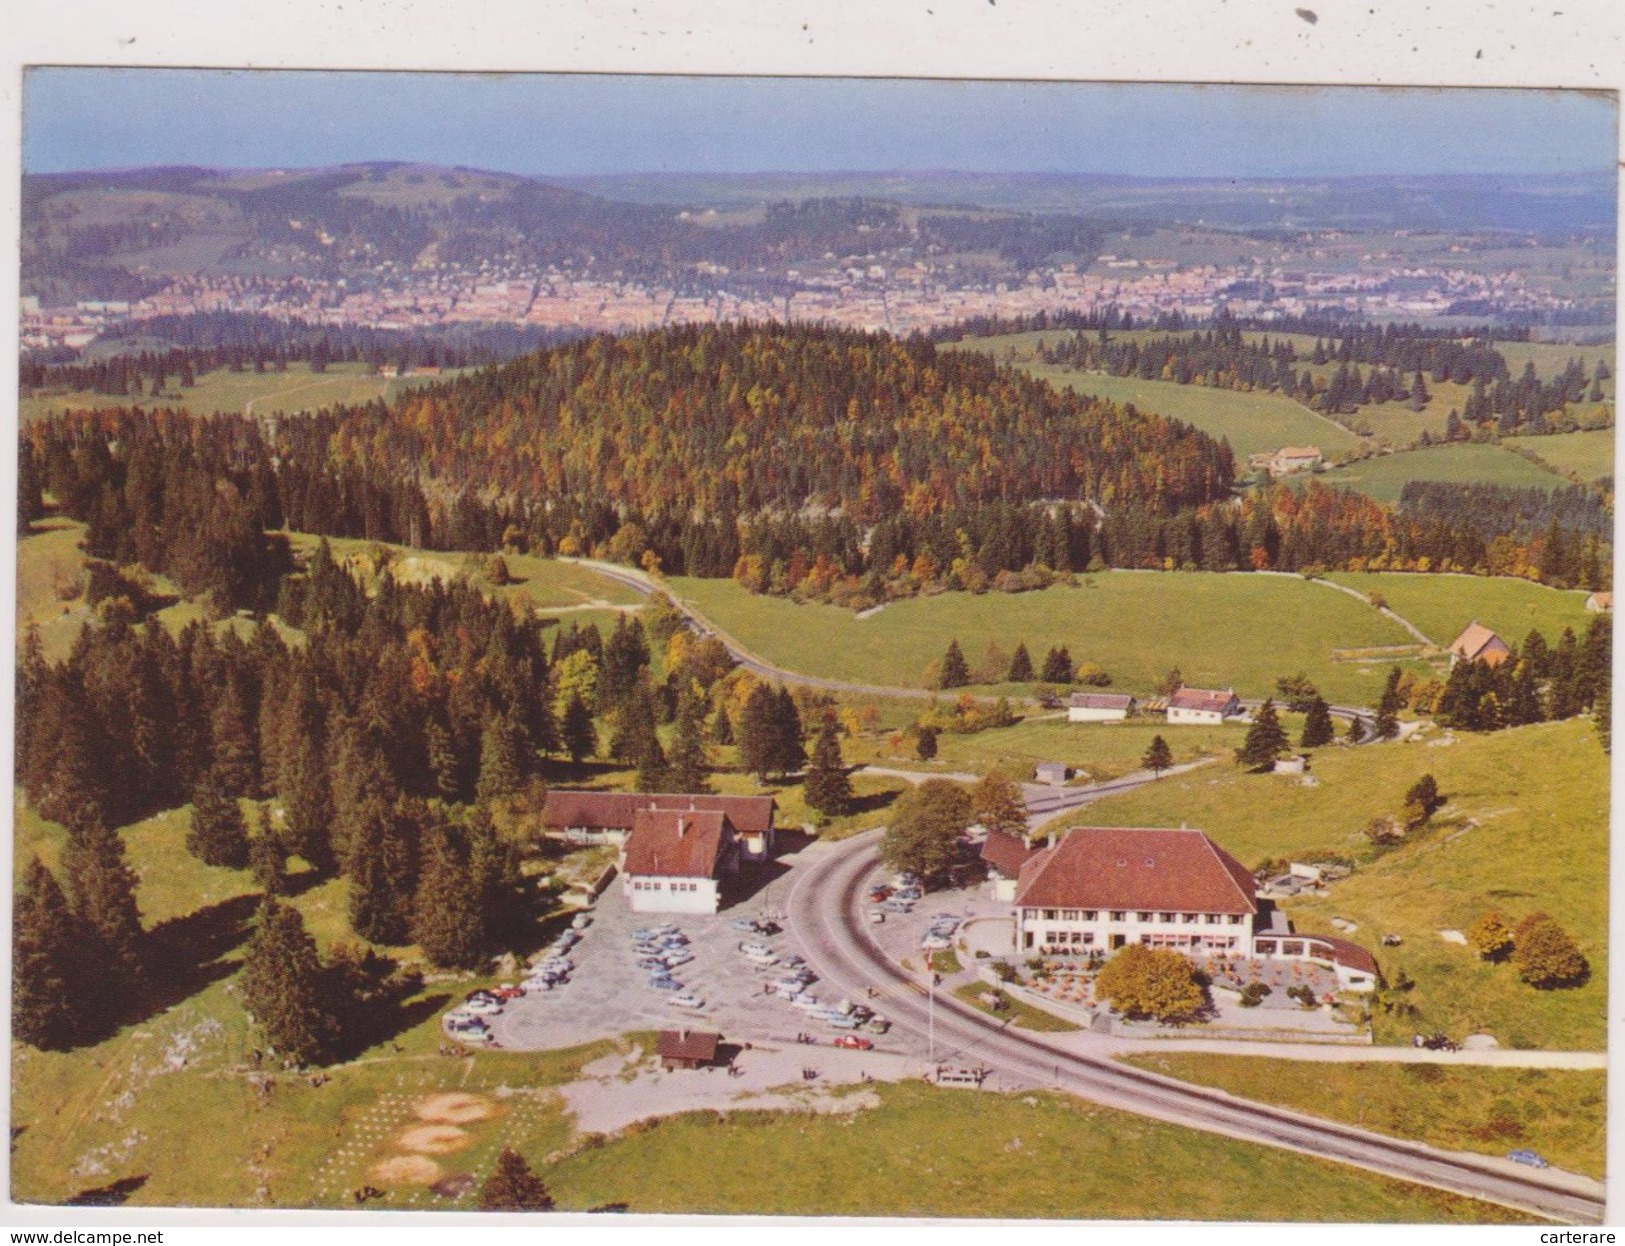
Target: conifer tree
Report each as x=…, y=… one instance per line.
x=101, y=892
x=925, y=747
x=1021, y=666
x=307, y=803
x=442, y=759
x=282, y=987
x=757, y=732
x=512, y=1186
x=502, y=758
x=690, y=761
x=580, y=738
x=1387, y=724
x=267, y=858
x=828, y=789
x=381, y=865
x=236, y=759
x=955, y=671
x=1317, y=725
x=1058, y=666
x=1158, y=757
x=448, y=914
x=218, y=834
x=722, y=727
x=1266, y=740
x=47, y=953
x=1356, y=730
x=789, y=747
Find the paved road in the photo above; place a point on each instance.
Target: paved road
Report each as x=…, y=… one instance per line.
x=822, y=909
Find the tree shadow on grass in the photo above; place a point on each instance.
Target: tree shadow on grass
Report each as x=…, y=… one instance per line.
x=189, y=953
x=873, y=803
x=114, y=1194
x=383, y=1020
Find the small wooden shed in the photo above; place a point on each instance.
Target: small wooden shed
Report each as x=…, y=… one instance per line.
x=687, y=1049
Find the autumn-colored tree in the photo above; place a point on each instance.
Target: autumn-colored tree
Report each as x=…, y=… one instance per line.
x=1159, y=983
x=1545, y=956
x=997, y=805
x=1491, y=936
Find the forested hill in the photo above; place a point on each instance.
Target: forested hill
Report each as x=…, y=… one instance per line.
x=731, y=420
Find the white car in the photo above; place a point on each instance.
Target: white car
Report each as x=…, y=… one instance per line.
x=480, y=1007
x=754, y=948
x=686, y=1000
x=805, y=1002
x=581, y=921
x=936, y=943
x=674, y=959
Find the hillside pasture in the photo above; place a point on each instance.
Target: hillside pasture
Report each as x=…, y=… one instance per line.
x=223, y=391
x=1383, y=476
x=1221, y=630
x=1588, y=454
x=1442, y=605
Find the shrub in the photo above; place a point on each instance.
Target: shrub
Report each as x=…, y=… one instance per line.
x=1545, y=956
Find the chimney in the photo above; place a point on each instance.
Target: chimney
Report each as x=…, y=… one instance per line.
x=682, y=827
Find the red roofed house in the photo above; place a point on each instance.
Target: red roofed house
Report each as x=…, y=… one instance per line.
x=1202, y=705
x=1004, y=855
x=674, y=860
x=1599, y=603
x=1479, y=644
x=1103, y=887
x=606, y=817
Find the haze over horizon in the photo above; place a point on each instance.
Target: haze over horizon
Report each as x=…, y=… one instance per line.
x=575, y=126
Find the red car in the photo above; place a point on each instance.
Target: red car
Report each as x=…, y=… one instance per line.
x=507, y=991
x=877, y=894
x=854, y=1042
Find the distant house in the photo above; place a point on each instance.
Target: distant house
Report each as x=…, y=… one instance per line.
x=1055, y=772
x=1290, y=459
x=1600, y=603
x=1202, y=705
x=1004, y=854
x=1479, y=644
x=1099, y=707
x=674, y=861
x=607, y=817
x=687, y=1049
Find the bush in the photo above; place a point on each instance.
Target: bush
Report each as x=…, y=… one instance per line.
x=1491, y=937
x=1140, y=981
x=1545, y=956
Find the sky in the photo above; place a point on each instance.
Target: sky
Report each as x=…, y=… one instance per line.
x=566, y=125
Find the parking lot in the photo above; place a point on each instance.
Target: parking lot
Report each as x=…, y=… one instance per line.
x=608, y=993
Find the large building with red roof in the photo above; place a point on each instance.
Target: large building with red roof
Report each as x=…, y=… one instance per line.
x=675, y=860
x=1202, y=705
x=1098, y=889
x=607, y=817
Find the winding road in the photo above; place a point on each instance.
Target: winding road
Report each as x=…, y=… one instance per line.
x=823, y=908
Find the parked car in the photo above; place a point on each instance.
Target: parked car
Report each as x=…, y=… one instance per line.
x=665, y=928
x=664, y=982
x=653, y=964
x=854, y=1043
x=482, y=1007
x=877, y=1025
x=794, y=960
x=936, y=943
x=807, y=1003
x=581, y=921
x=507, y=991
x=466, y=1025
x=768, y=928
x=877, y=916
x=686, y=1000
x=755, y=947
x=845, y=1023
x=1523, y=1155
x=747, y=924
x=674, y=959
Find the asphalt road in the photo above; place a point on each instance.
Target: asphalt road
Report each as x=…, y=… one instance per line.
x=822, y=909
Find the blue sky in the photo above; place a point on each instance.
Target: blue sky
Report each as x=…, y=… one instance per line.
x=583, y=124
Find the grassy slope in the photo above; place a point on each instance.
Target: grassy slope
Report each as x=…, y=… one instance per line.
x=958, y=1153
x=297, y=389
x=1219, y=630
x=1588, y=454
x=1559, y=1112
x=1442, y=605
x=1101, y=750
x=1526, y=828
x=1463, y=463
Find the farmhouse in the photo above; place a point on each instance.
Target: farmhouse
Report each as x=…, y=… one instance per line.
x=1202, y=705
x=606, y=817
x=1102, y=888
x=1290, y=459
x=687, y=1049
x=1099, y=707
x=1479, y=644
x=674, y=860
x=1004, y=855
